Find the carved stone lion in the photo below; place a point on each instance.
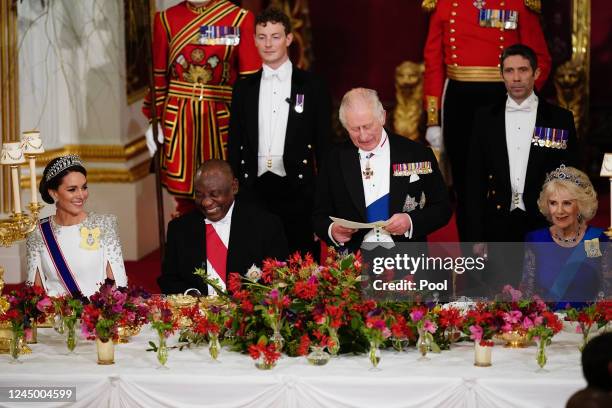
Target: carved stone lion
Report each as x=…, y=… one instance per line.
x=409, y=95
x=570, y=86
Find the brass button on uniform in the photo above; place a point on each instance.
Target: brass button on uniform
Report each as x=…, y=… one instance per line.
x=452, y=39
x=453, y=13
x=305, y=161
x=452, y=21
x=490, y=177
x=452, y=30
x=501, y=38
x=498, y=207
x=453, y=47
x=454, y=56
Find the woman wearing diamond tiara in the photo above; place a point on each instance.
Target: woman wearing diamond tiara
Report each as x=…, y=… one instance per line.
x=570, y=261
x=74, y=251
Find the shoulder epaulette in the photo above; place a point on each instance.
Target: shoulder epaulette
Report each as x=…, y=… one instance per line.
x=534, y=5
x=429, y=5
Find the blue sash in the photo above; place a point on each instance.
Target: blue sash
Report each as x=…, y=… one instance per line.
x=63, y=271
x=573, y=263
x=378, y=210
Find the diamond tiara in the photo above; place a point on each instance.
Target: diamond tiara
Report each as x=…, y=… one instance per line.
x=62, y=164
x=560, y=174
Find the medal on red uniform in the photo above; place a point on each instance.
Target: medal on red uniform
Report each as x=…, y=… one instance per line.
x=479, y=4
x=219, y=35
x=506, y=19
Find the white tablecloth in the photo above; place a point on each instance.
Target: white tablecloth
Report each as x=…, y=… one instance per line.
x=447, y=380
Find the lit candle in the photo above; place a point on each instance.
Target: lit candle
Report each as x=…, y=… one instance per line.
x=33, y=191
x=31, y=144
x=16, y=187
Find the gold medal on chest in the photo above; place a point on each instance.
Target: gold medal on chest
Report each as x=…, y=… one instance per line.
x=90, y=238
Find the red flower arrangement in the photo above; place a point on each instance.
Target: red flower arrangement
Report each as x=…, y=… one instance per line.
x=102, y=316
x=264, y=354
x=26, y=306
x=593, y=315
x=480, y=324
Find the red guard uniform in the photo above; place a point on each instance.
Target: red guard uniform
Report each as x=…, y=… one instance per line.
x=464, y=45
x=197, y=54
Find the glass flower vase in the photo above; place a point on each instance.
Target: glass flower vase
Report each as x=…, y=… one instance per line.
x=162, y=351
x=58, y=324
x=262, y=364
x=214, y=347
x=422, y=344
x=31, y=333
x=71, y=339
x=15, y=347
x=277, y=337
x=374, y=356
x=318, y=356
x=334, y=346
x=541, y=354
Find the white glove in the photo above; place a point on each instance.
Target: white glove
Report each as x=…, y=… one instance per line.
x=151, y=145
x=434, y=137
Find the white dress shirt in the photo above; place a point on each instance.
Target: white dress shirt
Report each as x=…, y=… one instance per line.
x=377, y=185
x=274, y=91
x=222, y=227
x=520, y=123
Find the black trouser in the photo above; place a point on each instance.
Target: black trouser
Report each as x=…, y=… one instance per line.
x=292, y=206
x=461, y=101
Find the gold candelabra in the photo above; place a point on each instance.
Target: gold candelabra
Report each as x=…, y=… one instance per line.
x=18, y=225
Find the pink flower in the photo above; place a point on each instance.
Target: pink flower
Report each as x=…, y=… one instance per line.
x=273, y=294
x=44, y=304
x=429, y=326
x=538, y=320
x=513, y=317
x=416, y=315
x=476, y=333
x=514, y=294
x=527, y=323
x=386, y=333
x=578, y=329
x=506, y=327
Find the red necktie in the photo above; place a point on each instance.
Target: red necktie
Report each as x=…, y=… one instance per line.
x=216, y=252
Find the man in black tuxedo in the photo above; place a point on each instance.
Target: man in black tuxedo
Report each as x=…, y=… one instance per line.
x=378, y=176
x=223, y=235
x=515, y=142
x=279, y=131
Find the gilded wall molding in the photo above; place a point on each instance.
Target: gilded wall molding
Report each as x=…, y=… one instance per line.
x=98, y=153
x=108, y=175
